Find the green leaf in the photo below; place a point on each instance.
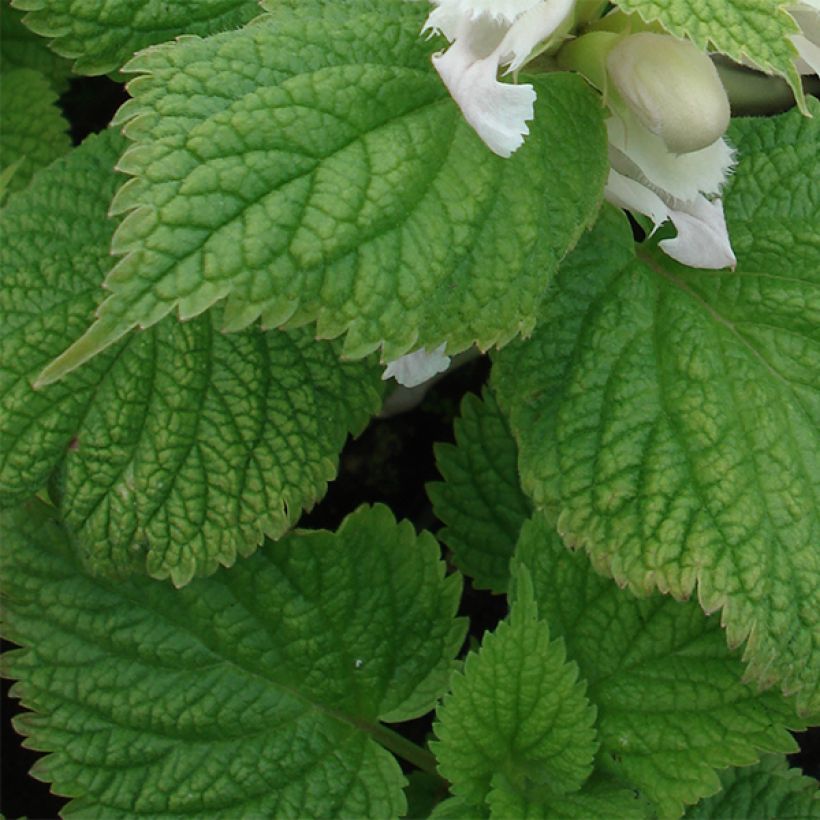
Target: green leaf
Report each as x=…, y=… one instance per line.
x=768, y=791
x=313, y=167
x=179, y=447
x=480, y=499
x=757, y=30
x=454, y=808
x=517, y=710
x=34, y=132
x=599, y=798
x=21, y=48
x=668, y=693
x=100, y=37
x=668, y=417
x=254, y=693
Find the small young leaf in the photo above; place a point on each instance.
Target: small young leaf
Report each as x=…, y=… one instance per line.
x=21, y=48
x=755, y=29
x=34, y=131
x=181, y=446
x=100, y=37
x=667, y=417
x=516, y=710
x=670, y=702
x=480, y=499
x=312, y=167
x=256, y=692
x=768, y=791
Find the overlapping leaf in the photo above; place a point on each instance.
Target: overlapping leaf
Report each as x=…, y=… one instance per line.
x=254, y=693
x=181, y=446
x=480, y=499
x=768, y=791
x=599, y=798
x=34, y=132
x=313, y=167
x=21, y=48
x=516, y=712
x=668, y=417
x=671, y=707
x=758, y=30
x=100, y=37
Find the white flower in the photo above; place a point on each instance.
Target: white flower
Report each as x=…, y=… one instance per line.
x=485, y=35
x=648, y=178
x=668, y=157
x=807, y=43
x=417, y=367
x=672, y=87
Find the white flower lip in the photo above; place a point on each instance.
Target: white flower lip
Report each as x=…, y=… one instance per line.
x=648, y=178
x=417, y=367
x=486, y=35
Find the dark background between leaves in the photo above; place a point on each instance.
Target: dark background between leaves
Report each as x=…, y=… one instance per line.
x=390, y=462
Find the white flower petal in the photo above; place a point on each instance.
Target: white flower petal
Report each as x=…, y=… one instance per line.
x=505, y=10
x=530, y=29
x=702, y=240
x=809, y=62
x=497, y=111
x=417, y=367
x=480, y=36
x=630, y=194
x=682, y=176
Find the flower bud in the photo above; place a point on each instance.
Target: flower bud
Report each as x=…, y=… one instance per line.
x=672, y=87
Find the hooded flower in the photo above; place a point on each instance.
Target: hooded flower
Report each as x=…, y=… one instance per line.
x=668, y=157
x=486, y=35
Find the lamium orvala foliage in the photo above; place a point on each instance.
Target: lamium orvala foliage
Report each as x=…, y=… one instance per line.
x=608, y=606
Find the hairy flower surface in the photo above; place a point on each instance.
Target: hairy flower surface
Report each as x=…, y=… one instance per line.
x=485, y=36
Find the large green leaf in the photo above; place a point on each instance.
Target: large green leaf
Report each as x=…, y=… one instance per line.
x=517, y=712
x=671, y=704
x=100, y=37
x=480, y=499
x=768, y=791
x=255, y=693
x=668, y=417
x=181, y=446
x=313, y=167
x=34, y=132
x=758, y=30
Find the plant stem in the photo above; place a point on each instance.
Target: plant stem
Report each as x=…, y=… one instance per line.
x=401, y=746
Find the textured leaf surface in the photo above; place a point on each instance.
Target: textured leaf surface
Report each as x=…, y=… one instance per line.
x=34, y=132
x=313, y=167
x=181, y=445
x=670, y=415
x=671, y=706
x=744, y=29
x=101, y=36
x=768, y=791
x=21, y=48
x=518, y=711
x=254, y=693
x=480, y=499
x=597, y=799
